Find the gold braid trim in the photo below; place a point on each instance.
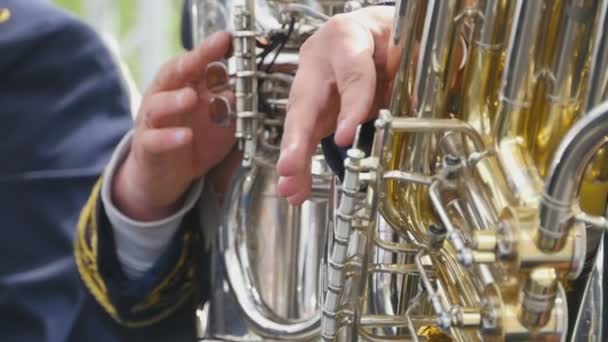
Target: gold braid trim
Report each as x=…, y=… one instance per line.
x=86, y=261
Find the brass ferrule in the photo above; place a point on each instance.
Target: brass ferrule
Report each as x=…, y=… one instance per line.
x=485, y=240
x=538, y=297
x=466, y=317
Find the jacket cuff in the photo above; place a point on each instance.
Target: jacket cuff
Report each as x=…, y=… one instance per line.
x=172, y=282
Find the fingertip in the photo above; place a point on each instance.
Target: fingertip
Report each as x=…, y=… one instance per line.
x=299, y=198
x=294, y=159
x=182, y=136
x=218, y=41
x=345, y=133
x=287, y=186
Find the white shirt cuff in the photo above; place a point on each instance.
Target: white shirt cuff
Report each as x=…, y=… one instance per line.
x=140, y=244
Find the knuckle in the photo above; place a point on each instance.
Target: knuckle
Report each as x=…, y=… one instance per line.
x=333, y=30
x=338, y=24
x=308, y=45
x=167, y=71
x=149, y=149
x=350, y=78
x=148, y=119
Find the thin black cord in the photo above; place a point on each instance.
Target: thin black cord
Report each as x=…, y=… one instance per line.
x=283, y=42
x=275, y=41
x=280, y=39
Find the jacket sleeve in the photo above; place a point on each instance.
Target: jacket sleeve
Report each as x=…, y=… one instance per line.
x=63, y=110
x=170, y=283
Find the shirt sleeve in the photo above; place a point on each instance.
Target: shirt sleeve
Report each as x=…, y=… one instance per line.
x=140, y=244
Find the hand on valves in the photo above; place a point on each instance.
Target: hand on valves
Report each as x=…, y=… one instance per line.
x=176, y=140
x=342, y=80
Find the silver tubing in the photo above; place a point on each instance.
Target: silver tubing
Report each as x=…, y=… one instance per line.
x=464, y=254
x=444, y=319
x=246, y=91
x=239, y=269
x=342, y=235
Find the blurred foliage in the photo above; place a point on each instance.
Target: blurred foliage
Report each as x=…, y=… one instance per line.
x=127, y=17
x=72, y=5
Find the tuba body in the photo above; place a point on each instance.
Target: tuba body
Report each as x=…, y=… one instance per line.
x=478, y=213
x=266, y=255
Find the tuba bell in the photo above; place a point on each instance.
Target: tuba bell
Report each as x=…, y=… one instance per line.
x=478, y=213
x=267, y=255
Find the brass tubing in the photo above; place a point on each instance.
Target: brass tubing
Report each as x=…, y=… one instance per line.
x=565, y=173
x=419, y=125
x=515, y=100
x=562, y=79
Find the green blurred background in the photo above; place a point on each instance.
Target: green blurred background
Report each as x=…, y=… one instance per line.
x=131, y=24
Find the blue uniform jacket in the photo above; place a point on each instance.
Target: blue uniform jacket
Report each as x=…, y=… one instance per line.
x=63, y=109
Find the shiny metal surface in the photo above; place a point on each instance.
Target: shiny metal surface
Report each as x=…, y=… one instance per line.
x=565, y=174
x=474, y=181
x=270, y=254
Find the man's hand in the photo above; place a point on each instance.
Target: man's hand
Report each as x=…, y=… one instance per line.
x=341, y=81
x=176, y=140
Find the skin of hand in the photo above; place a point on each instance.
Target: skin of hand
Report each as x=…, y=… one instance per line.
x=343, y=78
x=175, y=140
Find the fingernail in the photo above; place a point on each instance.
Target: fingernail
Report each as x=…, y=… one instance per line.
x=213, y=38
x=180, y=136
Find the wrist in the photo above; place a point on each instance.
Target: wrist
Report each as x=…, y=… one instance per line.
x=141, y=200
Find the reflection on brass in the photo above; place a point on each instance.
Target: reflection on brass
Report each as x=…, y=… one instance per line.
x=496, y=128
x=538, y=297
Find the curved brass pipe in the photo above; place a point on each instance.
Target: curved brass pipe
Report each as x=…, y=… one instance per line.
x=565, y=174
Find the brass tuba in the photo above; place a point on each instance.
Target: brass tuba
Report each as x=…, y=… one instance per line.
x=485, y=191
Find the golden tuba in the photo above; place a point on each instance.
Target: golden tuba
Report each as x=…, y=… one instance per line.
x=484, y=194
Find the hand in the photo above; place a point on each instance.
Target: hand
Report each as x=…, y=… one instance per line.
x=341, y=80
x=176, y=140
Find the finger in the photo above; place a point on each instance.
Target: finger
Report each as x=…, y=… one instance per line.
x=303, y=113
x=190, y=67
x=292, y=189
x=298, y=198
x=287, y=186
x=164, y=109
x=356, y=83
x=158, y=142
